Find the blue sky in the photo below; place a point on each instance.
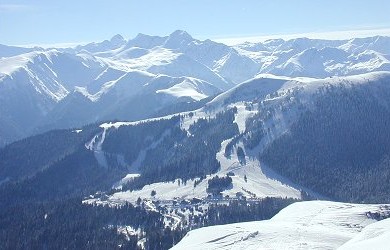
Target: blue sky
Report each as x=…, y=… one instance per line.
x=49, y=22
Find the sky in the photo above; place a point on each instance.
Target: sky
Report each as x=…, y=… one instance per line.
x=39, y=22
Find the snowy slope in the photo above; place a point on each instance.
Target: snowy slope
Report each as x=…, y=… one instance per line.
x=72, y=87
x=236, y=67
x=257, y=185
x=131, y=95
x=50, y=73
x=260, y=181
x=32, y=84
x=374, y=236
x=302, y=225
x=8, y=51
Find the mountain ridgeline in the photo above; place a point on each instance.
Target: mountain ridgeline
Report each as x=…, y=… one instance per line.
x=45, y=89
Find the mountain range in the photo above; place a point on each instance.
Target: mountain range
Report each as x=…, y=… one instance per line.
x=149, y=76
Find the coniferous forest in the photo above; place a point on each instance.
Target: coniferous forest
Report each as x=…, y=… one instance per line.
x=344, y=140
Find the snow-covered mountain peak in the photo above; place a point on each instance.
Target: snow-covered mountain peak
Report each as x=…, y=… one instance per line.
x=254, y=47
x=9, y=51
x=357, y=45
x=145, y=41
x=178, y=39
x=117, y=40
x=273, y=43
x=295, y=57
x=180, y=34
x=306, y=63
x=297, y=43
x=190, y=88
x=9, y=65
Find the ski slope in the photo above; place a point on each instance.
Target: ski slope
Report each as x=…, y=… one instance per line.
x=250, y=177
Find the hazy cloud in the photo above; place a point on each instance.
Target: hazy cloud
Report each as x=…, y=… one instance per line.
x=14, y=7
x=331, y=35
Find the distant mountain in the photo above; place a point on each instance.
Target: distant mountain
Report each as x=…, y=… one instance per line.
x=32, y=84
x=42, y=90
x=114, y=43
x=113, y=78
x=133, y=96
x=8, y=51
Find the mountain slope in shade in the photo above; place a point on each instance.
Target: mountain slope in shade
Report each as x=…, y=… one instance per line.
x=133, y=96
x=302, y=225
x=32, y=84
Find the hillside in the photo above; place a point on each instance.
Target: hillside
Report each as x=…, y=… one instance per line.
x=239, y=133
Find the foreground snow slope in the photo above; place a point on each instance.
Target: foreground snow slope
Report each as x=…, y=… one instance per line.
x=302, y=225
x=374, y=236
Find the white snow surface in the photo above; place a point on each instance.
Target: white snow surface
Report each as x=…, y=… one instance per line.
x=302, y=225
x=374, y=236
x=190, y=87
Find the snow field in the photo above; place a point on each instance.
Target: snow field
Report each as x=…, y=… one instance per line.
x=302, y=225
